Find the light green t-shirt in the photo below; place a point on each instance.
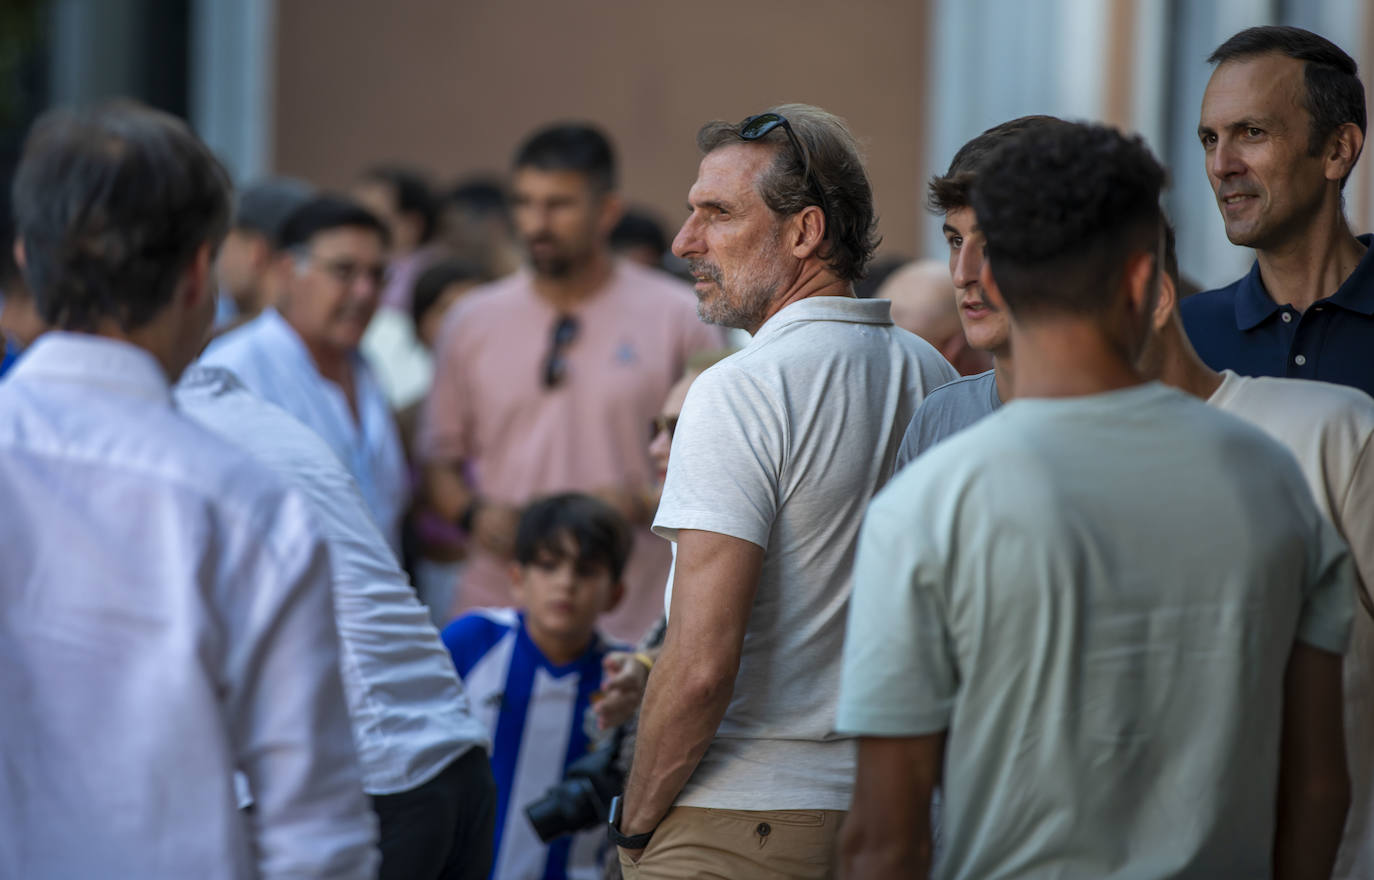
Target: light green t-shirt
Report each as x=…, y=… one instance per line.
x=1096, y=598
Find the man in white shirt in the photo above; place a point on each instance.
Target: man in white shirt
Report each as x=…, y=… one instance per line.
x=422, y=752
x=737, y=771
x=1329, y=428
x=1116, y=650
x=303, y=354
x=167, y=610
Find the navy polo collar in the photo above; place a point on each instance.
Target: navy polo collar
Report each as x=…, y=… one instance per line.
x=1356, y=293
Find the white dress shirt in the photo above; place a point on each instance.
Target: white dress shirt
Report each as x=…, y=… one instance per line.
x=410, y=715
x=270, y=358
x=164, y=621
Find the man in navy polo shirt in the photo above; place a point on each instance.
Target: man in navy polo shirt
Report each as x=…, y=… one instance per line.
x=1283, y=123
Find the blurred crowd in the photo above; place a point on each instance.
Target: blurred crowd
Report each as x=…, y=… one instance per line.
x=497, y=530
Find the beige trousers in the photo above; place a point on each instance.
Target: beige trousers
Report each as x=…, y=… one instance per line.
x=692, y=842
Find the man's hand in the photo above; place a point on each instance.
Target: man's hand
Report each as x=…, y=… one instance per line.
x=493, y=528
x=622, y=687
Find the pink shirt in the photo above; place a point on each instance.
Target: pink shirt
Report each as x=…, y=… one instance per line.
x=489, y=408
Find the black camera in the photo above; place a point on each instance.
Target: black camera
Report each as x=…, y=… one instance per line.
x=583, y=799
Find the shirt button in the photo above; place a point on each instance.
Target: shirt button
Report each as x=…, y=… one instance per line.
x=1300, y=360
x=1287, y=317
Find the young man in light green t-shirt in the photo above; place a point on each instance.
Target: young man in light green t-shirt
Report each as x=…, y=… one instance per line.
x=1117, y=651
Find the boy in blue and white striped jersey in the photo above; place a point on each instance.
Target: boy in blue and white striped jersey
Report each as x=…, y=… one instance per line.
x=532, y=671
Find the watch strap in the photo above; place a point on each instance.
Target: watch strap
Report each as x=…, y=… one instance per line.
x=624, y=841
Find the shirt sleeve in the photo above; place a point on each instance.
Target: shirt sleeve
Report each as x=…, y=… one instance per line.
x=723, y=471
x=286, y=709
x=1329, y=602
x=1356, y=519
x=899, y=675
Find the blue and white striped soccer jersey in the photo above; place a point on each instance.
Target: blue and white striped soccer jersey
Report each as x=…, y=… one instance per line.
x=537, y=714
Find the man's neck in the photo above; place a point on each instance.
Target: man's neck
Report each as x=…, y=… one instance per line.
x=558, y=650
x=1181, y=367
x=812, y=280
x=582, y=283
x=1311, y=266
x=1002, y=373
x=1068, y=357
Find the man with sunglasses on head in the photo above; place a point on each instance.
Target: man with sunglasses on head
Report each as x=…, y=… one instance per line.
x=738, y=771
x=545, y=380
x=303, y=354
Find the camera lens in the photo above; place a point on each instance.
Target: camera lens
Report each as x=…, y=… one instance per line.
x=570, y=806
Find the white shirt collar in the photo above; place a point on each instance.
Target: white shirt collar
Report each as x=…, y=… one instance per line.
x=97, y=361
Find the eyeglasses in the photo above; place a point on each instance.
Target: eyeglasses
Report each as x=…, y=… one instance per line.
x=555, y=364
x=755, y=127
x=662, y=425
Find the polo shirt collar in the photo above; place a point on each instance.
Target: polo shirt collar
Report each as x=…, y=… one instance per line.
x=1356, y=293
x=96, y=361
x=829, y=308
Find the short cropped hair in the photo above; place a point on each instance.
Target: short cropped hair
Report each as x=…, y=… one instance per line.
x=413, y=195
x=838, y=169
x=950, y=191
x=1062, y=208
x=264, y=205
x=324, y=213
x=571, y=147
x=112, y=203
x=600, y=535
x=1334, y=94
x=433, y=281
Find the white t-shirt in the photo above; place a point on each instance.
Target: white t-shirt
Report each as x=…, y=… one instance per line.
x=782, y=444
x=410, y=716
x=1329, y=428
x=1097, y=599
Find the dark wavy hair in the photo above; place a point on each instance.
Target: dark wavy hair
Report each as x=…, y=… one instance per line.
x=111, y=204
x=1334, y=94
x=838, y=168
x=600, y=535
x=950, y=191
x=1062, y=209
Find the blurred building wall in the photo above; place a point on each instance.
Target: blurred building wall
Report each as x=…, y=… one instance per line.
x=453, y=86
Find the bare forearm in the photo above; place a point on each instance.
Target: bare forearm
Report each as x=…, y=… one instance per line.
x=1309, y=833
x=678, y=721
x=864, y=857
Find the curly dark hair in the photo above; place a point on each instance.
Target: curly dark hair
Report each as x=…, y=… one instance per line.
x=949, y=191
x=1062, y=208
x=111, y=204
x=851, y=224
x=1334, y=94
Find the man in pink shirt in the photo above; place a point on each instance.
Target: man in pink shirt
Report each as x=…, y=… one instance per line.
x=548, y=380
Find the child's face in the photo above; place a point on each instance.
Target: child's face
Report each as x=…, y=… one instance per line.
x=562, y=597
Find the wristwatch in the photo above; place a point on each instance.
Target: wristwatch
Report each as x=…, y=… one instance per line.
x=633, y=841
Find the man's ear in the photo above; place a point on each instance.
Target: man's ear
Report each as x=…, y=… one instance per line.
x=1342, y=150
x=611, y=210
x=806, y=230
x=20, y=259
x=1138, y=278
x=992, y=294
x=1165, y=303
